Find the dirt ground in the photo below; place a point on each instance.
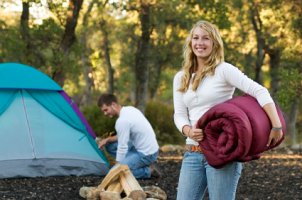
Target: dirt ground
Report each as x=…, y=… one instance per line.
x=277, y=176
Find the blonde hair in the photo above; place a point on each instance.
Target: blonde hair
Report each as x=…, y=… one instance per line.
x=189, y=65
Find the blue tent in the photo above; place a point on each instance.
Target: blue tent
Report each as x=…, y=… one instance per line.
x=42, y=131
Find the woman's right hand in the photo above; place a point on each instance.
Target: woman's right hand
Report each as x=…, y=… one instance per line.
x=196, y=134
x=193, y=133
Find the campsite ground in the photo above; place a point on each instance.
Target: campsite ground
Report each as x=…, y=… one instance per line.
x=277, y=175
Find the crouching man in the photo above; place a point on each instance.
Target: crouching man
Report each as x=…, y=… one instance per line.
x=135, y=144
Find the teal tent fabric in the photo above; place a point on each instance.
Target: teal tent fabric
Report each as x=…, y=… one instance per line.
x=55, y=103
x=41, y=134
x=15, y=75
x=6, y=97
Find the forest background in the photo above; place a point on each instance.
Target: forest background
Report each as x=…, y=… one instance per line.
x=133, y=48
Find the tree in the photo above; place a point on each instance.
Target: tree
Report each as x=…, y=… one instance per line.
x=258, y=28
x=68, y=38
x=142, y=56
x=87, y=68
x=31, y=55
x=106, y=55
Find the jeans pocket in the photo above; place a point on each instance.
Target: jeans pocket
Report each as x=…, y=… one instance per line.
x=238, y=168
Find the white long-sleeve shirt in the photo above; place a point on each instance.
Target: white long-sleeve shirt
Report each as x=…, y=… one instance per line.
x=132, y=126
x=212, y=90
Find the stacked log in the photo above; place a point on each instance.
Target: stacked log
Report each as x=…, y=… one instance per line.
x=118, y=184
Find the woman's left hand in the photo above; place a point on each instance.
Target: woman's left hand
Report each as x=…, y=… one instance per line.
x=274, y=137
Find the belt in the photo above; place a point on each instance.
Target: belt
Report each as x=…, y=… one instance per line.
x=193, y=148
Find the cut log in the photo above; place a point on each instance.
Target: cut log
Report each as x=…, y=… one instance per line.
x=115, y=186
x=108, y=195
x=112, y=176
x=131, y=186
x=113, y=191
x=90, y=193
x=84, y=190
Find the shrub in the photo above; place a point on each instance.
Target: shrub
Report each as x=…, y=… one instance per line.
x=160, y=116
x=101, y=124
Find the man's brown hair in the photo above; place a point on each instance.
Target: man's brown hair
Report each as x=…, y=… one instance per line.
x=107, y=99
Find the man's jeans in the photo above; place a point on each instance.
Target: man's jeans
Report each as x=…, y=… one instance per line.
x=197, y=175
x=138, y=163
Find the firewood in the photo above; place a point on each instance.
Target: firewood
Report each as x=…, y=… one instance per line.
x=115, y=186
x=109, y=195
x=94, y=194
x=90, y=193
x=84, y=190
x=112, y=176
x=113, y=191
x=131, y=186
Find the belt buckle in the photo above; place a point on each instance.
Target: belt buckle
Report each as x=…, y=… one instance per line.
x=193, y=148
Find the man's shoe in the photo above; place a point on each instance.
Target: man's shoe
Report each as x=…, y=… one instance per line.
x=155, y=171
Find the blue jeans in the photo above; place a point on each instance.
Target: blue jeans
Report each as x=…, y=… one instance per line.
x=138, y=163
x=196, y=175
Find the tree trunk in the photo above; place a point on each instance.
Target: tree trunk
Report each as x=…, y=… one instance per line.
x=106, y=54
x=30, y=52
x=274, y=55
x=71, y=23
x=68, y=38
x=155, y=79
x=141, y=59
x=24, y=22
x=87, y=69
x=257, y=25
x=291, y=129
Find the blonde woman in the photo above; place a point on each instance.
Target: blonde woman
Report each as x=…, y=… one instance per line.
x=205, y=81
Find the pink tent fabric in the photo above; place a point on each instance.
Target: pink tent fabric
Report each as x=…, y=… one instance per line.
x=237, y=129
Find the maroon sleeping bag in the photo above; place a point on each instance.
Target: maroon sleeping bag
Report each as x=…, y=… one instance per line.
x=236, y=130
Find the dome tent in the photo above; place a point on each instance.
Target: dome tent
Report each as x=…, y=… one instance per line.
x=42, y=131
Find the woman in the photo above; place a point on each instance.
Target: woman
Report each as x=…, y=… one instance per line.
x=204, y=81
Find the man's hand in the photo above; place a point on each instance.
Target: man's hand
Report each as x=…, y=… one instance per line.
x=106, y=140
x=102, y=143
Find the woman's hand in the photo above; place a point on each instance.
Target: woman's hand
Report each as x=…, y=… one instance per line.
x=193, y=133
x=274, y=137
x=276, y=132
x=196, y=134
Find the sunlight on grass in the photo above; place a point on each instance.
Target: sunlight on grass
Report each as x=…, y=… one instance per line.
x=290, y=160
x=282, y=156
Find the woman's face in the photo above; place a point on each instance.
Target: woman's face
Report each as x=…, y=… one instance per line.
x=202, y=44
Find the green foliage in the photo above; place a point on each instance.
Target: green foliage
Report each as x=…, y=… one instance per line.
x=297, y=24
x=290, y=87
x=11, y=49
x=160, y=116
x=101, y=124
x=45, y=46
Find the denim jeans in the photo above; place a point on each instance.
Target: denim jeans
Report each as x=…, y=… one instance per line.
x=138, y=163
x=196, y=175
